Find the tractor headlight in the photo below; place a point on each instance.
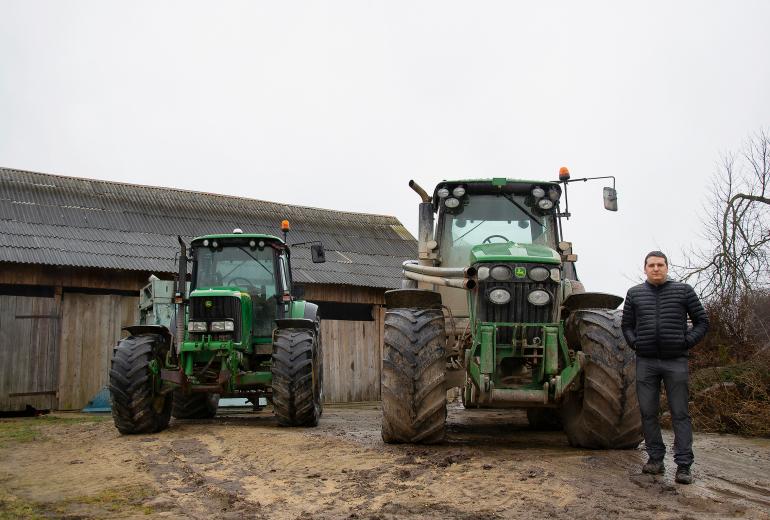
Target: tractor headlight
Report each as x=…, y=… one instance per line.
x=482, y=273
x=458, y=191
x=555, y=274
x=196, y=326
x=545, y=203
x=539, y=274
x=554, y=193
x=442, y=193
x=452, y=202
x=206, y=242
x=538, y=192
x=222, y=326
x=501, y=272
x=499, y=296
x=538, y=297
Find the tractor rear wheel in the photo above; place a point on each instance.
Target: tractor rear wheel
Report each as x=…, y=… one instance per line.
x=137, y=404
x=604, y=413
x=297, y=377
x=194, y=405
x=413, y=371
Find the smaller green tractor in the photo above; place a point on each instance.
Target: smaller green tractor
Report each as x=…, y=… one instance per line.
x=242, y=332
x=493, y=306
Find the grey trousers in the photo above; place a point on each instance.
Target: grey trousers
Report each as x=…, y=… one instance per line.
x=674, y=374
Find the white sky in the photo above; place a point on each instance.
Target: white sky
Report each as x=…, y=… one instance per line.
x=338, y=104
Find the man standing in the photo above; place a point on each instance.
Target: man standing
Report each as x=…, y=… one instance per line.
x=655, y=326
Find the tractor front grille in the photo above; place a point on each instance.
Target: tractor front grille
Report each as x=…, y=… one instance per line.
x=216, y=308
x=518, y=309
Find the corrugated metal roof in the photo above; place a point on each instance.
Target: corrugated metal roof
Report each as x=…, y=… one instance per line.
x=68, y=221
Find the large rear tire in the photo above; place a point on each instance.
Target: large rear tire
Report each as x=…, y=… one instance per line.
x=604, y=413
x=194, y=405
x=137, y=404
x=413, y=372
x=297, y=377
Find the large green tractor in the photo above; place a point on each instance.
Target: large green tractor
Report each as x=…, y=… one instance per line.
x=493, y=306
x=241, y=332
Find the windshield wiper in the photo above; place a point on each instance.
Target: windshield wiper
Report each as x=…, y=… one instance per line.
x=257, y=260
x=522, y=208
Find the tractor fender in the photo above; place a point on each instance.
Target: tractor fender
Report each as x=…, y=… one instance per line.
x=140, y=330
x=412, y=299
x=295, y=323
x=591, y=300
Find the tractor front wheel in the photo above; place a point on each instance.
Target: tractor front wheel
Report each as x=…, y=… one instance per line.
x=604, y=413
x=297, y=377
x=413, y=371
x=194, y=405
x=137, y=404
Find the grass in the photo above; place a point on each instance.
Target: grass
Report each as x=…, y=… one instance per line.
x=102, y=505
x=29, y=429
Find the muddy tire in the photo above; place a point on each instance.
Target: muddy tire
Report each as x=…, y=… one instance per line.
x=544, y=419
x=604, y=413
x=413, y=372
x=137, y=406
x=194, y=405
x=297, y=377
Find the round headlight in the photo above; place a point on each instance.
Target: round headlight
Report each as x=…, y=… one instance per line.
x=215, y=244
x=501, y=272
x=442, y=193
x=538, y=297
x=499, y=296
x=451, y=202
x=539, y=274
x=206, y=243
x=483, y=273
x=538, y=192
x=252, y=244
x=554, y=193
x=458, y=191
x=545, y=203
x=261, y=244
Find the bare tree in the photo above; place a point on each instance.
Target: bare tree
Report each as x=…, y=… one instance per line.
x=733, y=266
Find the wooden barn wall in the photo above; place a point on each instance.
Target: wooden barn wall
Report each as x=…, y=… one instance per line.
x=91, y=326
x=28, y=353
x=352, y=365
x=344, y=294
x=112, y=279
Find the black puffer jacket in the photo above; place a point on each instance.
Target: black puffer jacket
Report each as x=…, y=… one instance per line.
x=655, y=319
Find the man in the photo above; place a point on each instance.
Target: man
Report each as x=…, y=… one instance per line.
x=655, y=326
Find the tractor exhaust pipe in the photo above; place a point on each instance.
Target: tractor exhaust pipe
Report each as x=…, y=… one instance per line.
x=420, y=191
x=181, y=288
x=443, y=272
x=459, y=283
x=424, y=224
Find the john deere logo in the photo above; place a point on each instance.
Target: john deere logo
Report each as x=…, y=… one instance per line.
x=520, y=272
x=209, y=304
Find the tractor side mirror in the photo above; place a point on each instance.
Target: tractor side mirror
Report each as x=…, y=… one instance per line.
x=610, y=199
x=317, y=253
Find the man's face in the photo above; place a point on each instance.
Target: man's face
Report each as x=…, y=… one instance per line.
x=656, y=270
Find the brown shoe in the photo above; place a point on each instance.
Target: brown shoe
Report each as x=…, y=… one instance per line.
x=654, y=467
x=683, y=474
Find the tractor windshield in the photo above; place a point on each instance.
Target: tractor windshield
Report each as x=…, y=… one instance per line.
x=485, y=219
x=251, y=270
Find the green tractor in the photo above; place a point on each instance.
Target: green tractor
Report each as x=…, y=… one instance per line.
x=493, y=306
x=242, y=332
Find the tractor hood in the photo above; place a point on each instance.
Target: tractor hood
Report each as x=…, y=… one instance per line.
x=217, y=291
x=513, y=252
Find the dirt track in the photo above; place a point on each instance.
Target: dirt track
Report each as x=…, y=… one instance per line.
x=244, y=466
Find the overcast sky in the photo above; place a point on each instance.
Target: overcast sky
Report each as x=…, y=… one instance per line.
x=338, y=104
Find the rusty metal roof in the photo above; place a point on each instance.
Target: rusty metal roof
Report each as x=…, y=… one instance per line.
x=68, y=221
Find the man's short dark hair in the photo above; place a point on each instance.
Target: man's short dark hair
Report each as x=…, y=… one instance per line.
x=659, y=254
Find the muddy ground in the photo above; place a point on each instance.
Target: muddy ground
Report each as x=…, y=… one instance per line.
x=242, y=465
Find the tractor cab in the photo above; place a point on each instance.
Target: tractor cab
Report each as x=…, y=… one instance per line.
x=252, y=268
x=495, y=227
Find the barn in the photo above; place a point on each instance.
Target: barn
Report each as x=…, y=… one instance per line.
x=74, y=254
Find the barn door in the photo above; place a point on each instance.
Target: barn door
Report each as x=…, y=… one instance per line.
x=28, y=352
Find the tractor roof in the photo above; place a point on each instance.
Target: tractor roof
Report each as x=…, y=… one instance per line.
x=239, y=235
x=493, y=186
